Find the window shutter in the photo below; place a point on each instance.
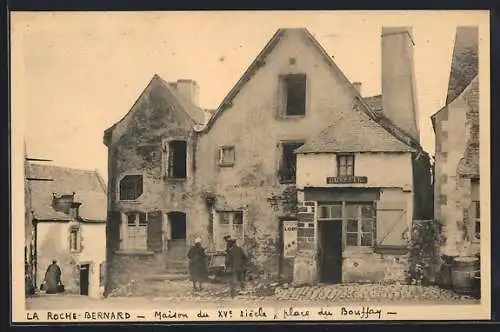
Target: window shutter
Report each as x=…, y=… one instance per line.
x=391, y=223
x=155, y=231
x=113, y=230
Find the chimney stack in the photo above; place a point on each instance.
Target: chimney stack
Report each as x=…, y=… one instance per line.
x=399, y=95
x=189, y=89
x=75, y=210
x=357, y=86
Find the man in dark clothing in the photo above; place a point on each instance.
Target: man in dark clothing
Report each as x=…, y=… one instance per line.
x=236, y=261
x=52, y=278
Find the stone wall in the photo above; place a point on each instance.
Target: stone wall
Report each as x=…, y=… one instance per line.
x=370, y=266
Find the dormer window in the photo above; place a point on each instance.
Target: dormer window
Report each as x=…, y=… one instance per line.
x=294, y=93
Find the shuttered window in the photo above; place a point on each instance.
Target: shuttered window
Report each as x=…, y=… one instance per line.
x=142, y=231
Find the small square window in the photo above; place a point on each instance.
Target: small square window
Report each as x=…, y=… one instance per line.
x=226, y=156
x=131, y=217
x=143, y=221
x=345, y=165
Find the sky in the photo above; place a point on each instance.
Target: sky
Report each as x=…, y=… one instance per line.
x=76, y=74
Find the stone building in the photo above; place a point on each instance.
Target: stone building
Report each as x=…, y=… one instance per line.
x=68, y=209
x=456, y=125
x=237, y=172
x=363, y=179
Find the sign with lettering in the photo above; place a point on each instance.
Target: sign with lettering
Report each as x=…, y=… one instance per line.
x=289, y=238
x=346, y=179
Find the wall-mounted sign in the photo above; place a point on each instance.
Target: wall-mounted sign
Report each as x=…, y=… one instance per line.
x=346, y=179
x=289, y=238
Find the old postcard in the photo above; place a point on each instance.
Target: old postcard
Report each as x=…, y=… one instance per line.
x=250, y=166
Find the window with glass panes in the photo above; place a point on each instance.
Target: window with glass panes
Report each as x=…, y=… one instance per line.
x=345, y=165
x=358, y=221
x=229, y=223
x=135, y=237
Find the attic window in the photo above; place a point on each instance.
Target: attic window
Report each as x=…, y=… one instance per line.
x=288, y=164
x=295, y=94
x=131, y=187
x=345, y=165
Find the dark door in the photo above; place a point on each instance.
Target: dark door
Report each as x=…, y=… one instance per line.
x=84, y=279
x=331, y=251
x=177, y=244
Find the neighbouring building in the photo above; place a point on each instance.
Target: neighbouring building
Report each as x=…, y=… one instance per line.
x=68, y=208
x=456, y=125
x=174, y=176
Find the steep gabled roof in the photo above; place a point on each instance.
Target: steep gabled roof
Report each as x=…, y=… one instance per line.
x=259, y=61
x=88, y=186
x=464, y=65
x=175, y=98
x=375, y=103
x=465, y=62
x=349, y=134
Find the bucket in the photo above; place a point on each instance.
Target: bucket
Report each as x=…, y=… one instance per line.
x=463, y=271
x=445, y=272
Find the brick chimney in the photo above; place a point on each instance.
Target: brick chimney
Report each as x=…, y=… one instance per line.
x=189, y=89
x=357, y=86
x=74, y=210
x=399, y=95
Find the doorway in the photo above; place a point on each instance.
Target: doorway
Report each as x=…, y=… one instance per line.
x=177, y=242
x=84, y=279
x=330, y=261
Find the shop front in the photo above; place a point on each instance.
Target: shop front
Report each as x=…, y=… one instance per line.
x=352, y=235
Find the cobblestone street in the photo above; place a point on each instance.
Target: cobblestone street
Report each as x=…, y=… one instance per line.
x=180, y=294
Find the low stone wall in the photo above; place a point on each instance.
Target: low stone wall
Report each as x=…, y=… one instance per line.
x=369, y=266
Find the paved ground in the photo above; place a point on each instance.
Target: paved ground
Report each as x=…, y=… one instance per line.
x=179, y=294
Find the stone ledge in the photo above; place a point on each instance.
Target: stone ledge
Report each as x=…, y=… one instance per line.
x=133, y=253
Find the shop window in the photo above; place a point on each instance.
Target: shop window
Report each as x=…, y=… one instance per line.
x=288, y=163
x=75, y=239
x=131, y=187
x=358, y=221
x=177, y=159
x=229, y=223
x=226, y=156
x=294, y=94
x=135, y=232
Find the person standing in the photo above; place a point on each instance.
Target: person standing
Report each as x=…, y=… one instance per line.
x=197, y=264
x=236, y=261
x=52, y=278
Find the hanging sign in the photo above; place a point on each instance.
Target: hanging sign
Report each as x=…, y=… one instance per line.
x=289, y=238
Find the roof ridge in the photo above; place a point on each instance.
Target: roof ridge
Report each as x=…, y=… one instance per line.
x=86, y=170
x=101, y=181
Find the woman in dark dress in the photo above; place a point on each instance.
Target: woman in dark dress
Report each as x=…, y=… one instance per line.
x=52, y=278
x=197, y=264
